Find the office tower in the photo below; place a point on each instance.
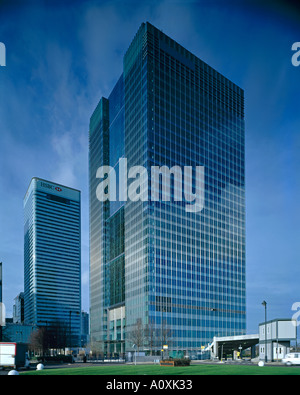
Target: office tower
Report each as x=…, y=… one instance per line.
x=154, y=264
x=52, y=260
x=85, y=328
x=18, y=309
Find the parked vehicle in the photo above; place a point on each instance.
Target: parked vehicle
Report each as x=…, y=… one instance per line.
x=13, y=355
x=292, y=359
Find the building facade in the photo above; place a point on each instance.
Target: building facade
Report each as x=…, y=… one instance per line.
x=2, y=309
x=52, y=259
x=17, y=333
x=18, y=309
x=0, y=282
x=275, y=338
x=178, y=274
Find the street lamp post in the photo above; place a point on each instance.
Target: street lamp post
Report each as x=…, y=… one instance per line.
x=134, y=346
x=264, y=303
x=70, y=330
x=163, y=310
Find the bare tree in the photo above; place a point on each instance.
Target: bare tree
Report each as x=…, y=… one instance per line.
x=52, y=336
x=151, y=336
x=137, y=334
x=38, y=341
x=166, y=334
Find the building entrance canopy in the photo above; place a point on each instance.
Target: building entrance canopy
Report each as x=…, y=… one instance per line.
x=229, y=344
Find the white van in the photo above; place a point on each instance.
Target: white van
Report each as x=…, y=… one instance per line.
x=292, y=359
x=13, y=355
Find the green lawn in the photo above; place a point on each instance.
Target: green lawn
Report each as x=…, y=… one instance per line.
x=158, y=370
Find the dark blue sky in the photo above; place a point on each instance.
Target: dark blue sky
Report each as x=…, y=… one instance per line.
x=63, y=56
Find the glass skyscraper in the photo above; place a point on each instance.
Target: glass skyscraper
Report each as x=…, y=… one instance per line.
x=52, y=259
x=179, y=275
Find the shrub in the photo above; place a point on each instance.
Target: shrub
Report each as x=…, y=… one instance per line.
x=58, y=359
x=182, y=362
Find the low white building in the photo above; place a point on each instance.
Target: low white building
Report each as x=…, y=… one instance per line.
x=275, y=338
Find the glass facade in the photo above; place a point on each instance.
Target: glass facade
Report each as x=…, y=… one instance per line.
x=99, y=213
x=180, y=273
x=52, y=259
